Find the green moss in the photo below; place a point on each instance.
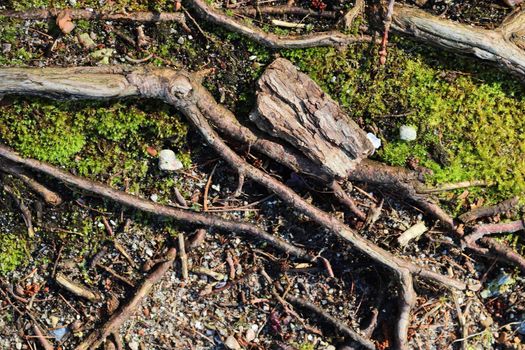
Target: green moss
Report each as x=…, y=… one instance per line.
x=476, y=116
x=12, y=252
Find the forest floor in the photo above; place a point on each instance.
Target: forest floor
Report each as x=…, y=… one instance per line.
x=470, y=126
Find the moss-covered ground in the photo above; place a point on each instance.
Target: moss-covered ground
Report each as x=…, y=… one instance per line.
x=468, y=114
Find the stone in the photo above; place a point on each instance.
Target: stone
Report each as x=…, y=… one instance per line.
x=180, y=40
x=407, y=133
x=168, y=161
x=232, y=343
x=134, y=345
x=376, y=141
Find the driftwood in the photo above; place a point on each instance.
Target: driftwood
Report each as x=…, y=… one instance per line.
x=184, y=91
x=503, y=45
x=292, y=107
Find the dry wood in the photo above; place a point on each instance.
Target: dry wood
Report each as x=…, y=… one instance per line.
x=351, y=15
x=183, y=257
x=272, y=40
x=482, y=212
x=292, y=107
x=41, y=14
x=76, y=288
x=97, y=336
x=413, y=232
x=50, y=197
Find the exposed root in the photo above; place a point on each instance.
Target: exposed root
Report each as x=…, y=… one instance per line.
x=24, y=210
x=482, y=212
x=184, y=216
x=490, y=229
x=503, y=252
x=271, y=40
x=141, y=17
x=97, y=336
x=345, y=199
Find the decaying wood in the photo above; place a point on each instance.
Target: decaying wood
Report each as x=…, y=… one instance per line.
x=483, y=212
x=76, y=288
x=97, y=336
x=292, y=107
x=271, y=40
x=50, y=197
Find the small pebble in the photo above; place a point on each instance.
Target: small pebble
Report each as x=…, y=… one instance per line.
x=168, y=161
x=376, y=141
x=134, y=345
x=250, y=335
x=180, y=40
x=407, y=133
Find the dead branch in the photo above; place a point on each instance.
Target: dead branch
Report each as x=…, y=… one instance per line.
x=271, y=40
x=47, y=195
x=97, y=336
x=483, y=212
x=184, y=216
x=183, y=257
x=76, y=288
x=141, y=17
x=284, y=10
x=452, y=186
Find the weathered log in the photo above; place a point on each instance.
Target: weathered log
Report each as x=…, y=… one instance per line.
x=292, y=107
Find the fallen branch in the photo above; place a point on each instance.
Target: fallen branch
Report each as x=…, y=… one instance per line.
x=142, y=17
x=46, y=345
x=271, y=40
x=483, y=212
x=183, y=257
x=47, y=195
x=97, y=336
x=76, y=288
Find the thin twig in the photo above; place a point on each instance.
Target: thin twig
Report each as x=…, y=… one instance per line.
x=482, y=212
x=183, y=257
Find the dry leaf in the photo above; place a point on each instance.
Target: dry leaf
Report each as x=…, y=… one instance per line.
x=151, y=151
x=64, y=21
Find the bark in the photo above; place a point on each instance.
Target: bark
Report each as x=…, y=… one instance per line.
x=292, y=107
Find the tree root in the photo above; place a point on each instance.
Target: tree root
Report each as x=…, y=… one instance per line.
x=351, y=15
x=183, y=91
x=492, y=247
x=97, y=336
x=141, y=17
x=482, y=212
x=502, y=46
x=184, y=216
x=271, y=40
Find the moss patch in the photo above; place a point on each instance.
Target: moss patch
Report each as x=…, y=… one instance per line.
x=12, y=252
x=476, y=117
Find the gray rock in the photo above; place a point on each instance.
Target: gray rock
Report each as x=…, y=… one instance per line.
x=168, y=161
x=85, y=40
